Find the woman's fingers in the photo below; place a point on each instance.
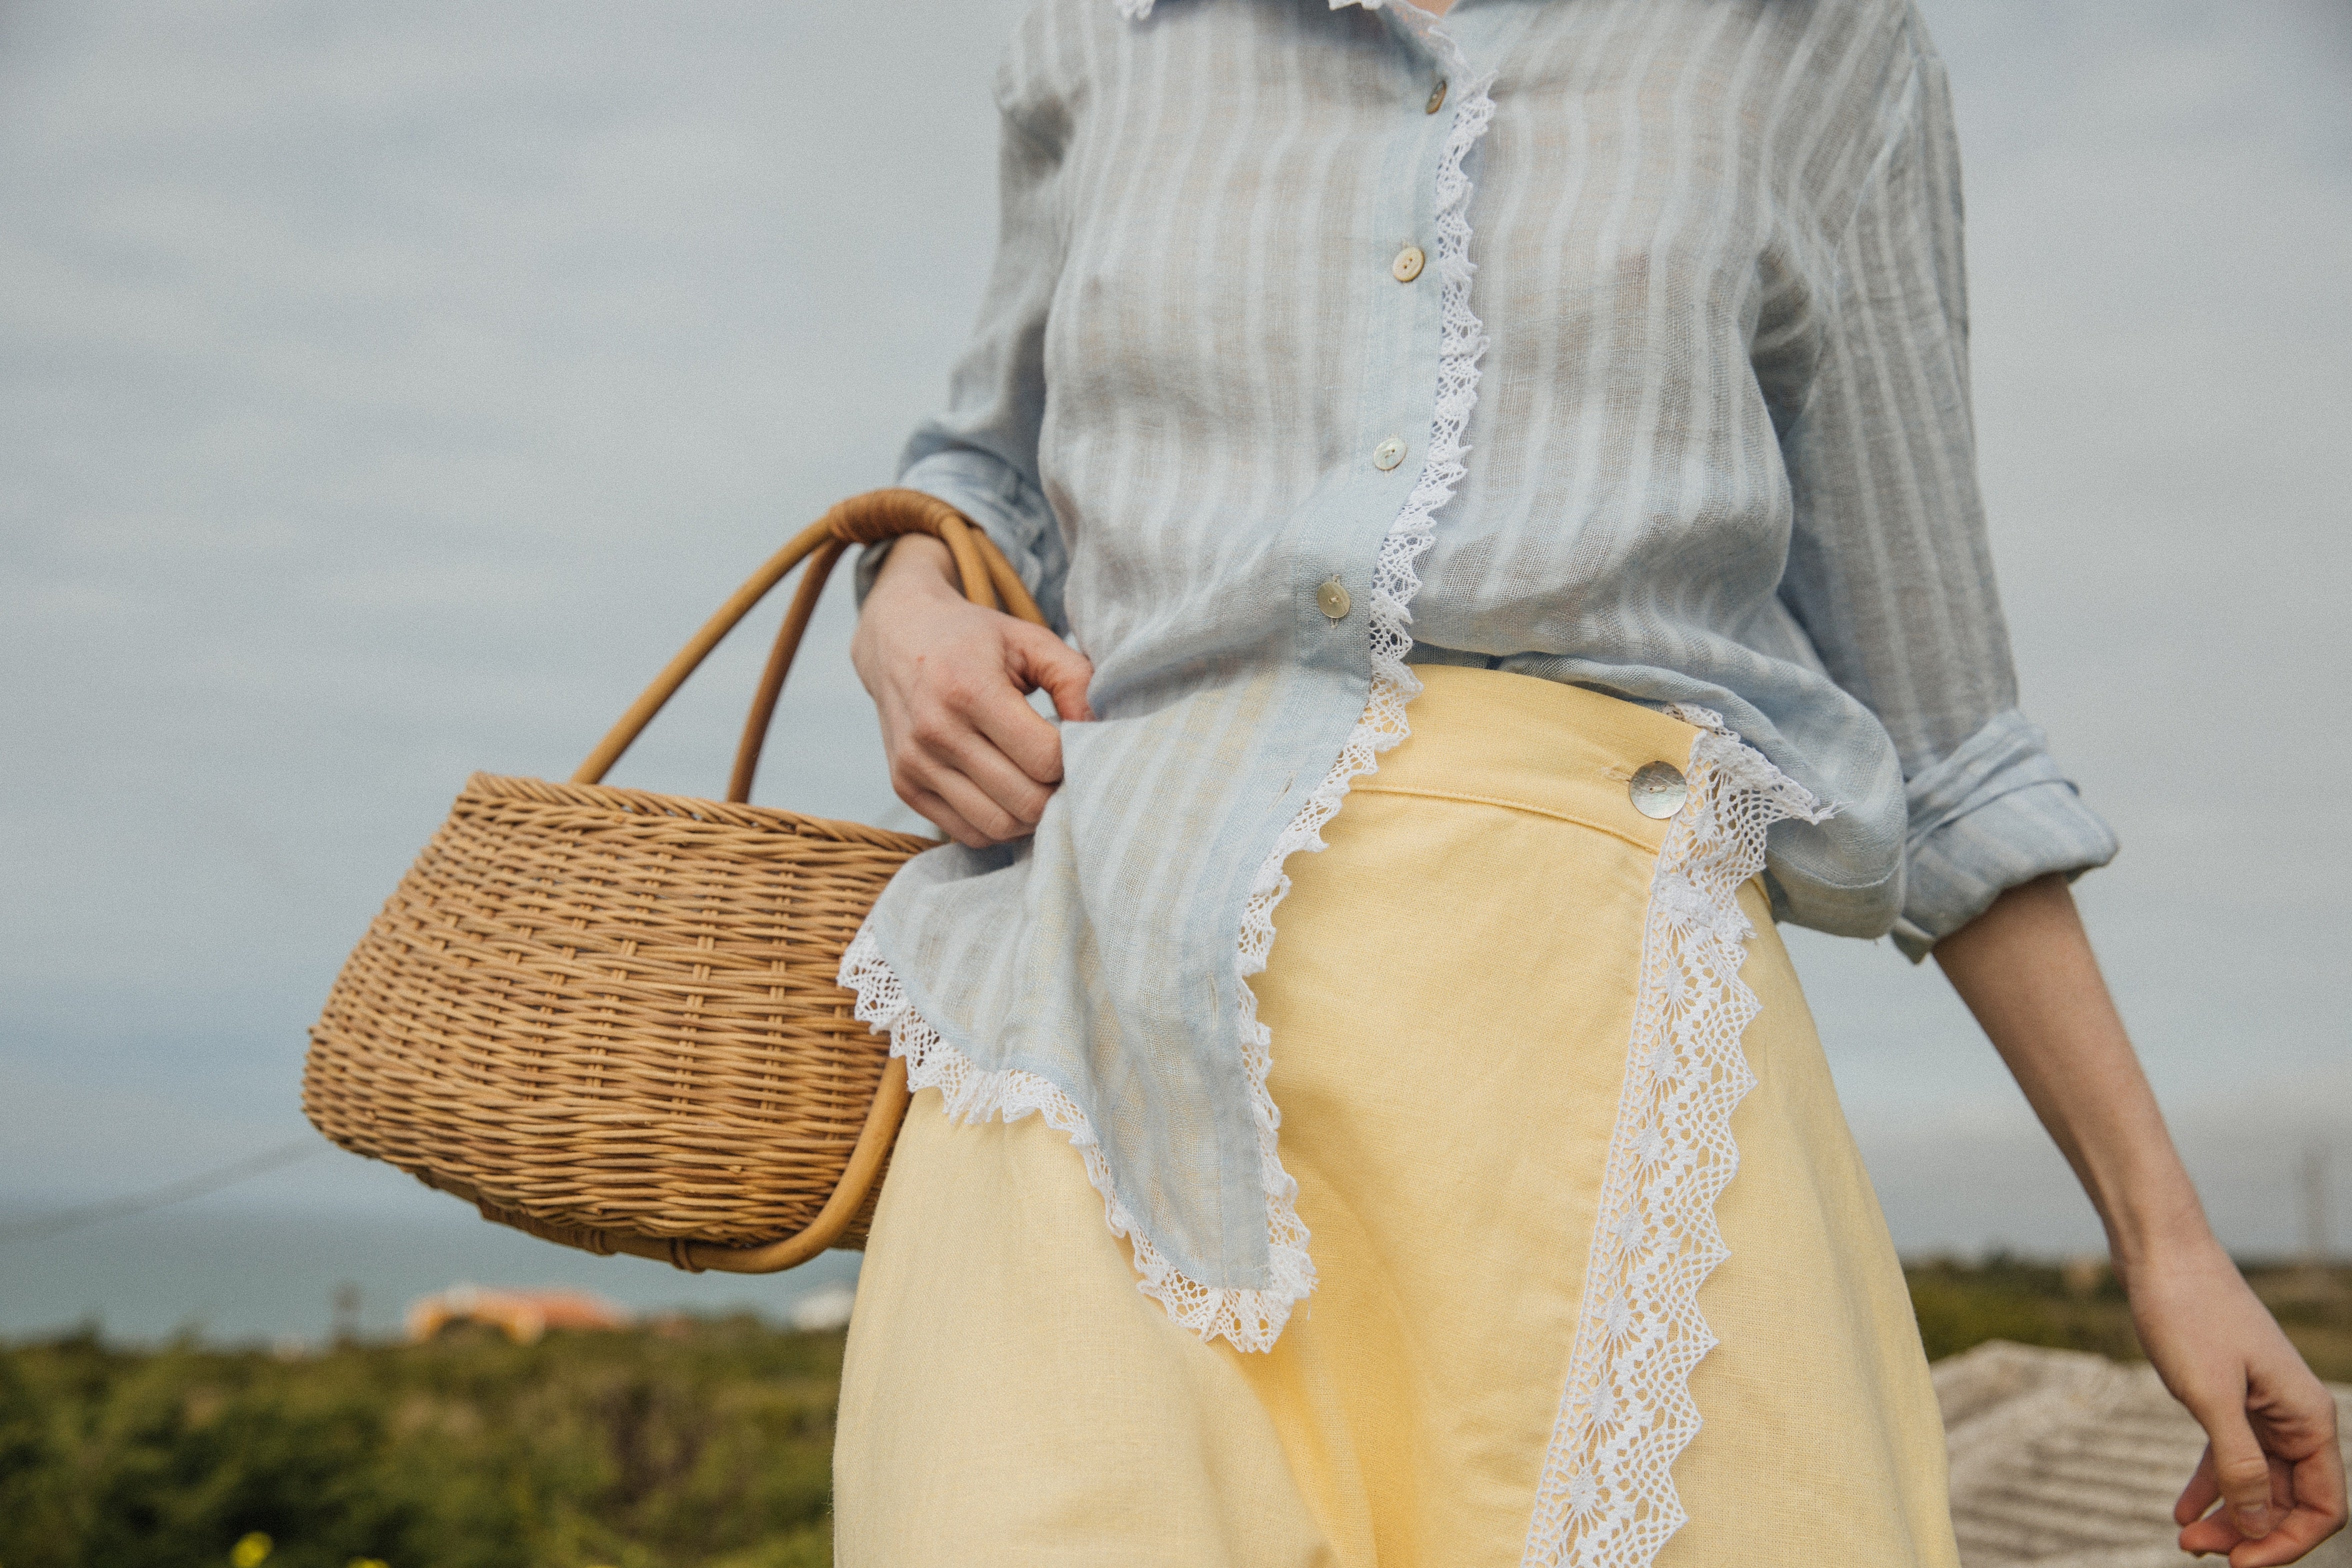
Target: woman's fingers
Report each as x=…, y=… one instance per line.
x=2201, y=1492
x=2312, y=1500
x=2240, y=1469
x=2293, y=1416
x=969, y=740
x=942, y=753
x=942, y=815
x=2218, y=1530
x=1002, y=723
x=983, y=820
x=1043, y=660
x=991, y=714
x=2286, y=1500
x=978, y=724
x=951, y=682
x=943, y=767
x=2298, y=1532
x=978, y=780
x=996, y=758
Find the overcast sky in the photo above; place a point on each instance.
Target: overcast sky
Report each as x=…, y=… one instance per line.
x=386, y=391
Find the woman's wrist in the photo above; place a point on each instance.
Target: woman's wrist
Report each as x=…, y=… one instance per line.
x=919, y=562
x=918, y=572
x=2148, y=1240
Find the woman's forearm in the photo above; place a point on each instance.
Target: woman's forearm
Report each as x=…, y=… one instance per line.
x=2025, y=969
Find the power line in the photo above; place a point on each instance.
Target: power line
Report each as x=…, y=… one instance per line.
x=187, y=1187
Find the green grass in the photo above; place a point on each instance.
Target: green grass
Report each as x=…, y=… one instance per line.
x=708, y=1444
x=694, y=1445
x=1963, y=1305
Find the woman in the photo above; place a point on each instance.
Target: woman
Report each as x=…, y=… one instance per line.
x=1632, y=597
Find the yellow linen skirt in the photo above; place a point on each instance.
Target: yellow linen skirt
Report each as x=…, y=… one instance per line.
x=1453, y=993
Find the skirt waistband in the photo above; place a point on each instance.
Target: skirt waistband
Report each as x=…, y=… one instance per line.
x=1491, y=737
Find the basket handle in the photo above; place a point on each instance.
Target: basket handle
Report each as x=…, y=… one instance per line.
x=866, y=519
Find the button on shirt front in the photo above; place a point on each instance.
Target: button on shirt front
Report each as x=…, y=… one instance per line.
x=1716, y=451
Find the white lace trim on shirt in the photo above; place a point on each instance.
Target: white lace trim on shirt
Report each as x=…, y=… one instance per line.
x=1253, y=1320
x=1607, y=1497
x=1462, y=341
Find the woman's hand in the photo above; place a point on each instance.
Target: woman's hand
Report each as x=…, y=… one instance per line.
x=2270, y=1457
x=951, y=681
x=2025, y=969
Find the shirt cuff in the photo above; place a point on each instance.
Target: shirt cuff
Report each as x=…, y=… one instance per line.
x=992, y=495
x=1994, y=815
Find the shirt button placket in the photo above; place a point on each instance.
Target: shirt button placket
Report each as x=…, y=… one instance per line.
x=1407, y=264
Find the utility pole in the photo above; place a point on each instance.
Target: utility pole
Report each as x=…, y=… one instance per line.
x=347, y=1313
x=2317, y=1242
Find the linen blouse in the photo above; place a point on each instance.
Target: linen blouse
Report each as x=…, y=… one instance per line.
x=1618, y=343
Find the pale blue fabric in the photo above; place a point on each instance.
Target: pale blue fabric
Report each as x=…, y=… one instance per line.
x=1722, y=455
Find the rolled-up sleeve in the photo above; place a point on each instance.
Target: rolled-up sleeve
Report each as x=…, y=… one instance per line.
x=1889, y=571
x=980, y=455
x=1994, y=813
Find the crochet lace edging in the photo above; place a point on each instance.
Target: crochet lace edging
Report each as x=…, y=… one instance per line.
x=1254, y=1318
x=1461, y=343
x=1251, y=1319
x=1607, y=1497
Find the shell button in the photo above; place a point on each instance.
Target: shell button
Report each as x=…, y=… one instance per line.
x=1658, y=789
x=1436, y=98
x=1333, y=599
x=1388, y=454
x=1408, y=264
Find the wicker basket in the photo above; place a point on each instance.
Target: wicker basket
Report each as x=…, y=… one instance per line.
x=609, y=1018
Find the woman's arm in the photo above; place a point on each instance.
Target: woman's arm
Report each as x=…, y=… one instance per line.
x=2025, y=969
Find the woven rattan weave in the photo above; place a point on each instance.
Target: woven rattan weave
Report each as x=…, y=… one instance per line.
x=609, y=1018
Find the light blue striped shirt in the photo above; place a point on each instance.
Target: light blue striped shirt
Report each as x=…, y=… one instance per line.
x=1698, y=431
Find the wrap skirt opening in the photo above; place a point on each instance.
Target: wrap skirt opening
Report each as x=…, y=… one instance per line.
x=1452, y=997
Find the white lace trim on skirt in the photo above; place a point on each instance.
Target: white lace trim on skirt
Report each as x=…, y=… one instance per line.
x=1607, y=1497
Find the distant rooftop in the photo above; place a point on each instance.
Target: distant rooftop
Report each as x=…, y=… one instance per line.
x=522, y=1315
